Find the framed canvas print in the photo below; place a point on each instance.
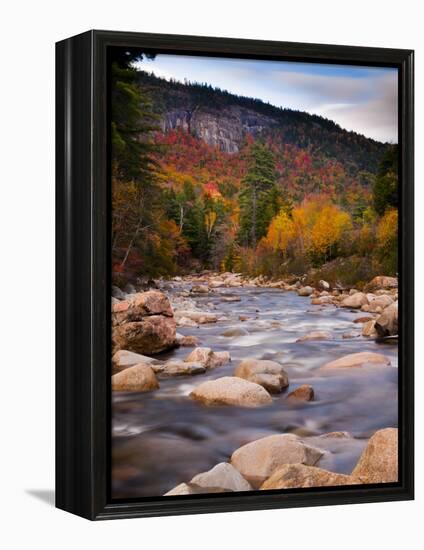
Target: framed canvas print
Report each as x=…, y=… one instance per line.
x=234, y=274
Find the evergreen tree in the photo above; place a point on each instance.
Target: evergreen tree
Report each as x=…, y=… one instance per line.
x=134, y=169
x=385, y=189
x=259, y=197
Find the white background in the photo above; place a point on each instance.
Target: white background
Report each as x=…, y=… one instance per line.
x=28, y=32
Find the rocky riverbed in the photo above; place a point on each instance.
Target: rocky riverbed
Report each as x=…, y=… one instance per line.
x=226, y=384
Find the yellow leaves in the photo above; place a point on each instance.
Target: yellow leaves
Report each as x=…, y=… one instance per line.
x=387, y=228
x=280, y=232
x=315, y=227
x=328, y=229
x=210, y=219
x=387, y=240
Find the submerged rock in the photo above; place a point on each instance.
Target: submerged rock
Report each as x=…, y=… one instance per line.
x=200, y=289
x=237, y=331
x=360, y=359
x=269, y=374
x=181, y=368
x=230, y=390
x=220, y=358
x=188, y=341
x=316, y=335
x=336, y=435
x=362, y=319
x=140, y=378
x=197, y=317
x=322, y=301
x=258, y=460
x=186, y=322
x=302, y=393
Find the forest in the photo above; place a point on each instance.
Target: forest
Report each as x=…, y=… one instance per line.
x=303, y=197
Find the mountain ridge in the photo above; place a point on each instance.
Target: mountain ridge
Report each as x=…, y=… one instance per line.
x=223, y=119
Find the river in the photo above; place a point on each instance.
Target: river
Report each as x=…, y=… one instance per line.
x=163, y=438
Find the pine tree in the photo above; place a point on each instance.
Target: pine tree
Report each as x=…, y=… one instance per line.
x=385, y=189
x=134, y=168
x=259, y=197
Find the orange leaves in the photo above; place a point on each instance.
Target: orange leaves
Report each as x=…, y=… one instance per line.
x=329, y=226
x=211, y=189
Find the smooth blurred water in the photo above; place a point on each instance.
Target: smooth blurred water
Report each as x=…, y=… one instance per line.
x=163, y=438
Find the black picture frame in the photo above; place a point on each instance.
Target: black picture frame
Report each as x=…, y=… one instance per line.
x=83, y=276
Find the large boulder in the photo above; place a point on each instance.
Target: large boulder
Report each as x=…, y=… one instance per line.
x=123, y=359
x=381, y=282
x=258, y=460
x=152, y=334
x=379, y=303
x=379, y=461
x=144, y=323
x=230, y=390
x=355, y=301
x=292, y=476
x=140, y=378
x=223, y=476
x=360, y=359
x=151, y=302
x=305, y=291
x=269, y=374
x=387, y=323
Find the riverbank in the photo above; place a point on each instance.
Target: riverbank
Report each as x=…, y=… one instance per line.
x=165, y=437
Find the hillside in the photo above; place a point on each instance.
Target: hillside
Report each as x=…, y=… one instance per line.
x=223, y=119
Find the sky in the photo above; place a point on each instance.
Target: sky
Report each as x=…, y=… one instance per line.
x=362, y=99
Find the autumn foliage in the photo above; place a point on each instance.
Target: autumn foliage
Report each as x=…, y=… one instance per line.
x=275, y=207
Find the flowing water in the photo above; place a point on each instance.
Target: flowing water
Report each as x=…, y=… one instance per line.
x=163, y=438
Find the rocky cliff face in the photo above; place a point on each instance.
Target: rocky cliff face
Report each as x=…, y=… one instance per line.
x=225, y=129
